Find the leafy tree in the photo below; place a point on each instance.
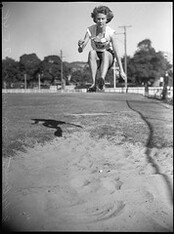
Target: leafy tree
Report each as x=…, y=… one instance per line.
x=77, y=76
x=30, y=64
x=51, y=69
x=145, y=45
x=80, y=74
x=10, y=72
x=131, y=70
x=66, y=72
x=86, y=74
x=147, y=64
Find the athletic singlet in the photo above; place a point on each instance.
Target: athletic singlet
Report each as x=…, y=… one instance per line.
x=100, y=42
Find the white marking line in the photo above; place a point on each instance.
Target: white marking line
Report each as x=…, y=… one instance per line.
x=8, y=163
x=90, y=114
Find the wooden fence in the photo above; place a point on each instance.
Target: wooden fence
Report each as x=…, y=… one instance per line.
x=152, y=91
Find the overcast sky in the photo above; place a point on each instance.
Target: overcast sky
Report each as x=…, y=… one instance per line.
x=45, y=28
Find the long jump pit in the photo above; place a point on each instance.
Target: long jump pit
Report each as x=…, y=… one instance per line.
x=84, y=181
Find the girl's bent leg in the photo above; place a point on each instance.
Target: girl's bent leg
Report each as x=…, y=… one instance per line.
x=107, y=60
x=92, y=59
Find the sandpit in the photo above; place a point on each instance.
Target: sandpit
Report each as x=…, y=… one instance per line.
x=78, y=183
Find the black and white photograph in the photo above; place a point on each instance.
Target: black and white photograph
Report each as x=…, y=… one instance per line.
x=87, y=116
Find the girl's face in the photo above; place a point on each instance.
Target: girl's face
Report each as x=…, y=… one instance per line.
x=101, y=19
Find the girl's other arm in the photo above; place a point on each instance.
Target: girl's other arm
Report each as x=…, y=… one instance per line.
x=114, y=44
x=82, y=43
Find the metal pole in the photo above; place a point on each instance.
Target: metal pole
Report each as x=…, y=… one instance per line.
x=62, y=83
x=25, y=78
x=114, y=69
x=164, y=92
x=39, y=80
x=125, y=58
x=125, y=49
x=5, y=85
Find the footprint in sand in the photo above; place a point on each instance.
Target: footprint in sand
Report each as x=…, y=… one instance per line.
x=98, y=208
x=105, y=211
x=111, y=184
x=85, y=184
x=149, y=197
x=93, y=184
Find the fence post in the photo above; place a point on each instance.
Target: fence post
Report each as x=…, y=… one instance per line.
x=164, y=92
x=25, y=78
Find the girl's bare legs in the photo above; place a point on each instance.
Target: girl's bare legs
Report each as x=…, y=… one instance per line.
x=107, y=60
x=92, y=59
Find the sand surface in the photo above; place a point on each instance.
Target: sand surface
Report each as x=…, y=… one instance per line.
x=78, y=183
x=109, y=167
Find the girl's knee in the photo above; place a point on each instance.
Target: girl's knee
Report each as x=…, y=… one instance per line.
x=92, y=55
x=107, y=55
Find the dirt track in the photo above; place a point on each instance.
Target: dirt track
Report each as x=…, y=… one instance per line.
x=110, y=169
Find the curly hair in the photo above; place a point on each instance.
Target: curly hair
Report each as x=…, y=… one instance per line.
x=104, y=10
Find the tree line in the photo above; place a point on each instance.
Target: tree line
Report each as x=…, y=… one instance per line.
x=144, y=67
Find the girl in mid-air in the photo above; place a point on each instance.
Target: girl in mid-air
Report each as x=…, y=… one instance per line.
x=104, y=48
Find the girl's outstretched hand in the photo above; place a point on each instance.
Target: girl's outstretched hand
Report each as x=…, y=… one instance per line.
x=80, y=50
x=80, y=44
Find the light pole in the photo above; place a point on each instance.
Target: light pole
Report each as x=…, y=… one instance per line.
x=125, y=51
x=114, y=72
x=39, y=80
x=165, y=84
x=25, y=80
x=62, y=80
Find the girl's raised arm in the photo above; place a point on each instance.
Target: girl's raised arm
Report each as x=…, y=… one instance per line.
x=82, y=43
